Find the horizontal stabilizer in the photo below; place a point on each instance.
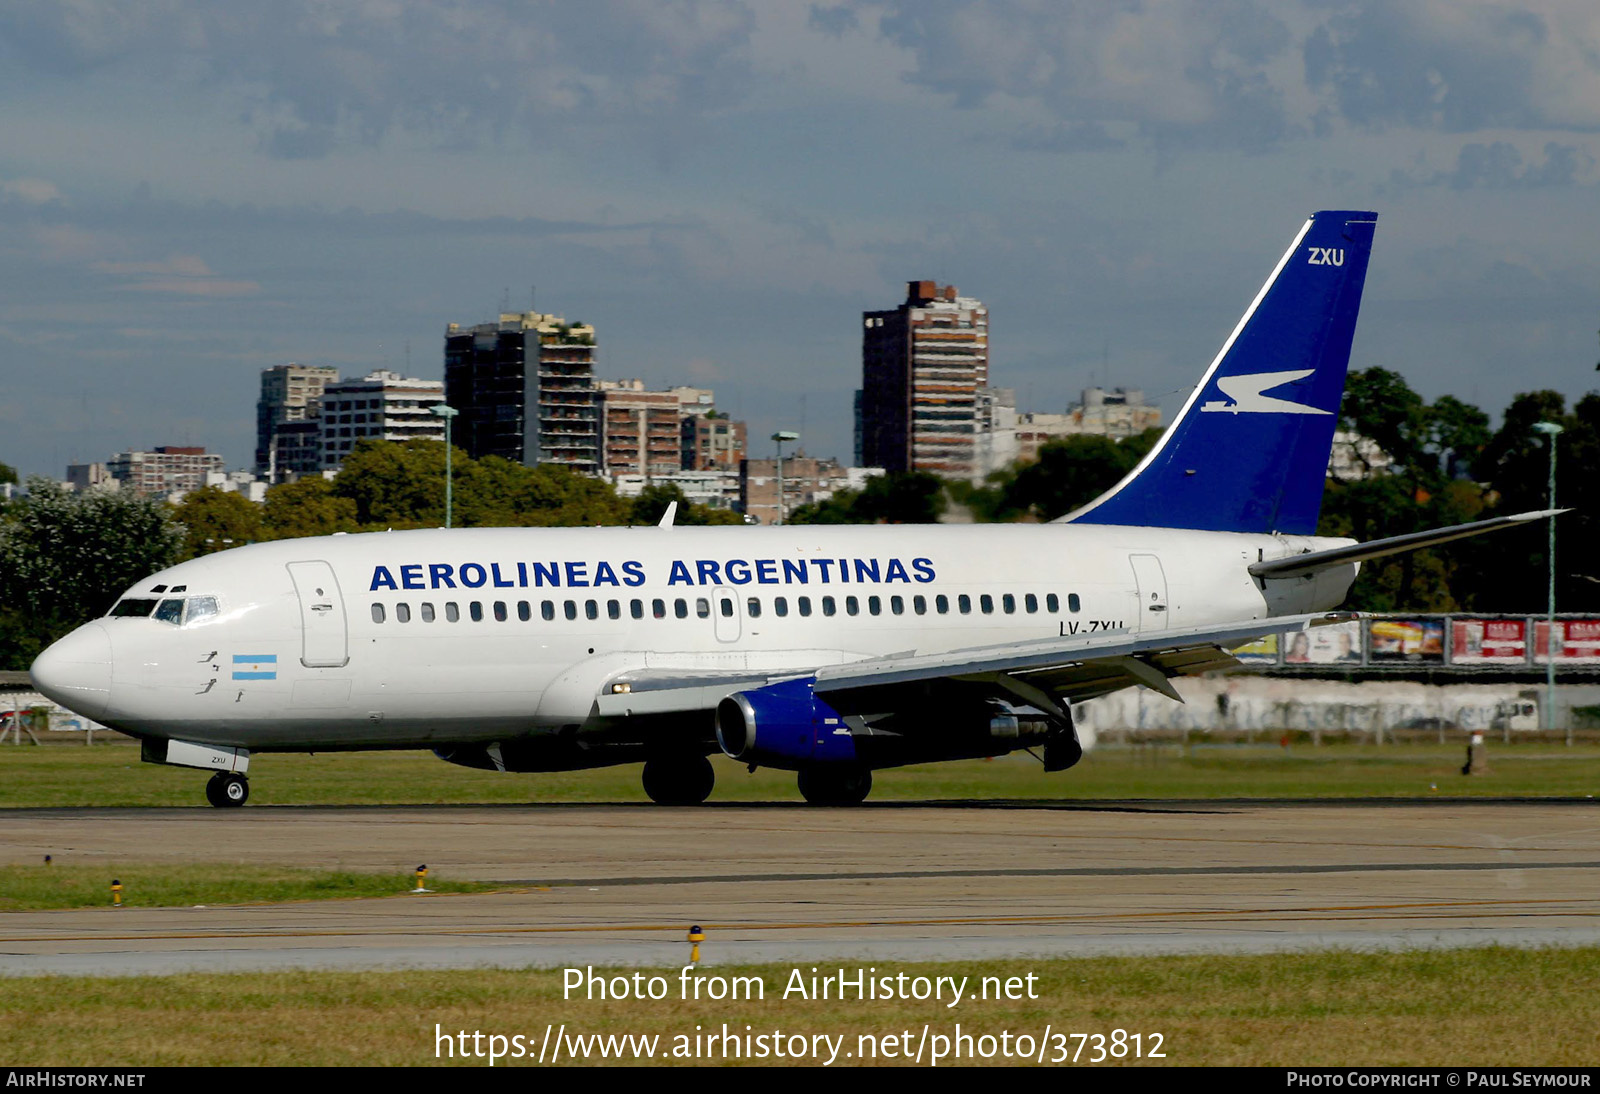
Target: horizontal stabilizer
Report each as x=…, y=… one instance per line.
x=1313, y=561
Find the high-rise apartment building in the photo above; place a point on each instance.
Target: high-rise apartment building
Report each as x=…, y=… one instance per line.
x=524, y=387
x=165, y=469
x=639, y=429
x=382, y=405
x=288, y=440
x=712, y=442
x=921, y=367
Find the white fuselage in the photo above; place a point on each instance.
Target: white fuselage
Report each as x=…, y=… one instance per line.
x=422, y=638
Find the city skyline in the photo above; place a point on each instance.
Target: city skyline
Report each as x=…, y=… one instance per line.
x=192, y=193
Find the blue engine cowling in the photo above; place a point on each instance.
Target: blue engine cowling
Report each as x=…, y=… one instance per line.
x=785, y=726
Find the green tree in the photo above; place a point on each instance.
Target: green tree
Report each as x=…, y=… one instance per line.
x=908, y=497
x=1511, y=569
x=401, y=485
x=1429, y=450
x=7, y=473
x=651, y=505
x=397, y=485
x=1069, y=473
x=215, y=520
x=65, y=557
x=306, y=507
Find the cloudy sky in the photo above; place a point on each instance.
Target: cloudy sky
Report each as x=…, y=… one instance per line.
x=192, y=191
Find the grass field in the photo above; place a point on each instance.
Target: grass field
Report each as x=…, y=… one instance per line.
x=1473, y=1007
x=111, y=774
x=29, y=888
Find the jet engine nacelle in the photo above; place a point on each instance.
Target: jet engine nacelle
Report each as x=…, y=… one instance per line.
x=784, y=726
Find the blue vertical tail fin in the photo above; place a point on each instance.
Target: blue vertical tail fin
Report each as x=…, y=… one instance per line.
x=1249, y=450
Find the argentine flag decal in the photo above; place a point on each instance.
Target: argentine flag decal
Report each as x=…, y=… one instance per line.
x=255, y=666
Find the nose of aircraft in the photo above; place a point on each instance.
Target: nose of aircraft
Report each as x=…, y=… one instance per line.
x=76, y=671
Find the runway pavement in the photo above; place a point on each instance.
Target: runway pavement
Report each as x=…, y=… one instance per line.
x=600, y=884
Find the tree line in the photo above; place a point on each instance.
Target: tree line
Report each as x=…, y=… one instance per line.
x=64, y=557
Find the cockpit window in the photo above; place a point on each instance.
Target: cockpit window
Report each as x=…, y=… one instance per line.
x=170, y=610
x=200, y=607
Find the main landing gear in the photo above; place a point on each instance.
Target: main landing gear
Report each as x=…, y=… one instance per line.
x=835, y=786
x=678, y=780
x=225, y=790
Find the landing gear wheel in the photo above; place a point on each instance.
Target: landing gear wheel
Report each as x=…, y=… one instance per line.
x=828, y=786
x=680, y=780
x=226, y=790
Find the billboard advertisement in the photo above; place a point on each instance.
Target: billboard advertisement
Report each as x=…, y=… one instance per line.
x=1338, y=644
x=1406, y=640
x=1488, y=641
x=1263, y=651
x=1576, y=640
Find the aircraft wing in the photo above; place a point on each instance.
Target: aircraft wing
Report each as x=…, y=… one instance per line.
x=1048, y=672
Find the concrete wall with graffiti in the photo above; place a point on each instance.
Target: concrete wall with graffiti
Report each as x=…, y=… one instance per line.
x=1249, y=703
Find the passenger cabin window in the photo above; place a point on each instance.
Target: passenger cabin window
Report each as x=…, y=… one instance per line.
x=875, y=605
x=965, y=603
x=377, y=613
x=547, y=610
x=941, y=603
x=591, y=609
x=476, y=609
x=524, y=611
x=805, y=605
x=613, y=609
x=570, y=609
x=753, y=606
x=852, y=606
x=919, y=604
x=402, y=613
x=828, y=606
x=500, y=611
x=1031, y=602
x=658, y=608
x=1072, y=602
x=452, y=613
x=1009, y=603
x=636, y=608
x=986, y=602
x=427, y=612
x=702, y=608
x=780, y=606
x=680, y=608
x=897, y=605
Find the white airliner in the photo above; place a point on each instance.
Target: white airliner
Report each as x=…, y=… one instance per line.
x=829, y=651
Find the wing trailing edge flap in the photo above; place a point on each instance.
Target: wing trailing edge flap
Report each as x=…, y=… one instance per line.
x=1077, y=668
x=1303, y=565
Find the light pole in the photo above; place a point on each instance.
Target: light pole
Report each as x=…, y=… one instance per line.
x=1551, y=431
x=780, y=436
x=447, y=413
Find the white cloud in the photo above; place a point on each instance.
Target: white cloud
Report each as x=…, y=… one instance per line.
x=314, y=72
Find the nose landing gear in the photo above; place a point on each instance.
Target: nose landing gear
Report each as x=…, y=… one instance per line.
x=226, y=790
